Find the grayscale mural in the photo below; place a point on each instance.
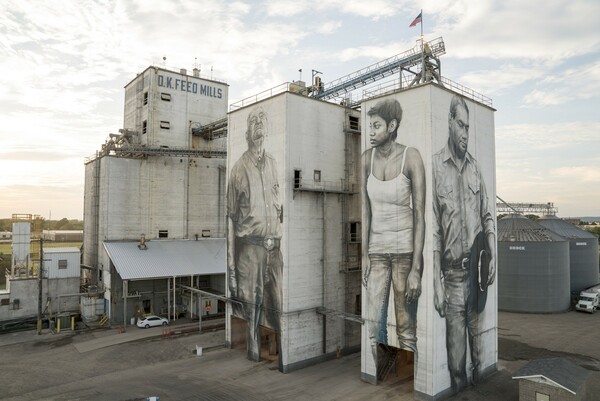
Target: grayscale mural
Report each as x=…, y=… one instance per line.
x=463, y=246
x=255, y=218
x=394, y=217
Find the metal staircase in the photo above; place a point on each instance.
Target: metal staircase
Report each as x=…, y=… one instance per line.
x=379, y=70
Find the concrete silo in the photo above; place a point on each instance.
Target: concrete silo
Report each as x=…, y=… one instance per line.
x=583, y=252
x=533, y=267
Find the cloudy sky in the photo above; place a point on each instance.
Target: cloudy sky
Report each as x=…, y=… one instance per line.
x=63, y=66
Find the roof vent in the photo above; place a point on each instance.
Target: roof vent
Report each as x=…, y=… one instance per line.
x=142, y=245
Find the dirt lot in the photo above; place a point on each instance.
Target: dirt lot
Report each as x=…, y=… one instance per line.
x=49, y=367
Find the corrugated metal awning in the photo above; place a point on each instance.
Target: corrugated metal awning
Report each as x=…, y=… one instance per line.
x=164, y=258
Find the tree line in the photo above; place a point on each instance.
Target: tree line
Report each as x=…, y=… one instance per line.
x=62, y=224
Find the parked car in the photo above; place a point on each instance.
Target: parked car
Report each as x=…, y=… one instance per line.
x=151, y=321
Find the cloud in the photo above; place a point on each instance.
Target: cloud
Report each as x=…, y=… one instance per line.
x=329, y=27
x=534, y=29
x=501, y=79
x=374, y=9
x=550, y=163
x=582, y=82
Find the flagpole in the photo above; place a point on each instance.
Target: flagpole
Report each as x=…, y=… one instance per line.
x=422, y=51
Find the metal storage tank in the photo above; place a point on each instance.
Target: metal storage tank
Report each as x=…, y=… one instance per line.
x=583, y=252
x=533, y=267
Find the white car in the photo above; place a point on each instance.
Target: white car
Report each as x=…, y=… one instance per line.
x=151, y=321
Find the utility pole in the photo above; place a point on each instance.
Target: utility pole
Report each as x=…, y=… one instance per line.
x=40, y=276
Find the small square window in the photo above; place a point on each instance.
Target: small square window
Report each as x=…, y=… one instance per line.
x=317, y=176
x=297, y=179
x=165, y=125
x=145, y=98
x=165, y=96
x=144, y=127
x=163, y=233
x=205, y=233
x=62, y=264
x=354, y=122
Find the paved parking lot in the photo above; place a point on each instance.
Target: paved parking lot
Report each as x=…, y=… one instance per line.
x=51, y=367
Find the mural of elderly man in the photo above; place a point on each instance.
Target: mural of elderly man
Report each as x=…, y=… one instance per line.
x=255, y=217
x=463, y=246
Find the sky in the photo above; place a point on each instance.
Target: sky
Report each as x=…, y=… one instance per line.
x=63, y=66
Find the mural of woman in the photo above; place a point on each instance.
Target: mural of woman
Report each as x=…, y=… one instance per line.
x=393, y=188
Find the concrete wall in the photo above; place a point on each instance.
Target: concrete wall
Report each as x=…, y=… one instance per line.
x=528, y=388
x=191, y=99
x=26, y=292
x=425, y=127
x=305, y=135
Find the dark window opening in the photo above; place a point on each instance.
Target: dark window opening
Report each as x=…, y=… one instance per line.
x=163, y=233
x=355, y=231
x=205, y=233
x=165, y=125
x=62, y=264
x=144, y=126
x=317, y=176
x=358, y=306
x=145, y=98
x=165, y=96
x=297, y=178
x=354, y=122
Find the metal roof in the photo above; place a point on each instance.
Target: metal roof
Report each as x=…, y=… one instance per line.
x=559, y=371
x=516, y=227
x=564, y=228
x=165, y=258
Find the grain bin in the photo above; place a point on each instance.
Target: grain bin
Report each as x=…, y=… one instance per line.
x=583, y=252
x=533, y=267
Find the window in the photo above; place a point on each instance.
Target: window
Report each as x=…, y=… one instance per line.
x=317, y=176
x=297, y=179
x=354, y=122
x=16, y=304
x=355, y=231
x=5, y=301
x=163, y=233
x=205, y=233
x=145, y=98
x=165, y=125
x=165, y=96
x=358, y=306
x=541, y=397
x=62, y=263
x=144, y=126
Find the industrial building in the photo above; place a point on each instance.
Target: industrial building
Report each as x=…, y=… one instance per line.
x=295, y=212
x=156, y=188
x=165, y=216
x=46, y=285
x=533, y=267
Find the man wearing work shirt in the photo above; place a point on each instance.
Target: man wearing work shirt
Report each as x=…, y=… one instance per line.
x=463, y=231
x=255, y=215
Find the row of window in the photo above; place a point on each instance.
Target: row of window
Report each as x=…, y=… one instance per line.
x=163, y=96
x=163, y=125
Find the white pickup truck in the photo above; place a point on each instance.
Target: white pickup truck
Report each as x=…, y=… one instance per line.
x=589, y=299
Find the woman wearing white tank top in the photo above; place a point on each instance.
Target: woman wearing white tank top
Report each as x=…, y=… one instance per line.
x=394, y=201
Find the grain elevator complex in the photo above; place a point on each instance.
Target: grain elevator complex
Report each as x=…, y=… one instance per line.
x=318, y=221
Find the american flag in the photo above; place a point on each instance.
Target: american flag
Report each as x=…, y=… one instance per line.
x=417, y=20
